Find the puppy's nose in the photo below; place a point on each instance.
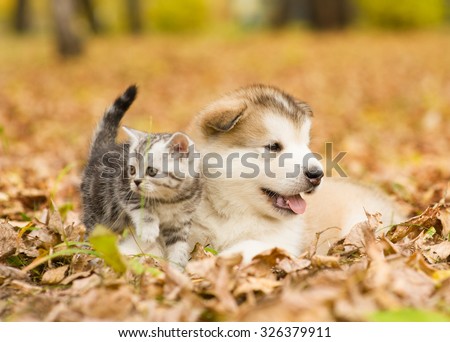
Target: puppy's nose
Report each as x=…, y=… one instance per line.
x=137, y=182
x=314, y=176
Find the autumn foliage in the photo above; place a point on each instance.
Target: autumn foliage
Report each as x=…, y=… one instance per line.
x=382, y=98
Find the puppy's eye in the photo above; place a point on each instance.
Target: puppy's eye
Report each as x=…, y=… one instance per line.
x=152, y=172
x=273, y=147
x=132, y=170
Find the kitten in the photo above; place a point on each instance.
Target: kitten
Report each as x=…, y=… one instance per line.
x=151, y=183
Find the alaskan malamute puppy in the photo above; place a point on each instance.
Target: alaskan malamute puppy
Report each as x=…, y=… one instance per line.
x=262, y=181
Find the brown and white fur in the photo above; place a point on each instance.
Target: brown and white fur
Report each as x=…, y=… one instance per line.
x=250, y=215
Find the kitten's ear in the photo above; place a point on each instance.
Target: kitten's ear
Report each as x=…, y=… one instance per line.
x=134, y=134
x=179, y=143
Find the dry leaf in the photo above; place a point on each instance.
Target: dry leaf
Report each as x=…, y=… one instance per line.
x=418, y=262
x=32, y=198
x=414, y=226
x=41, y=238
x=54, y=275
x=176, y=282
x=75, y=276
x=414, y=287
x=444, y=217
x=25, y=287
x=356, y=235
x=327, y=261
x=81, y=286
x=222, y=290
x=437, y=253
x=201, y=268
x=441, y=276
x=112, y=304
x=262, y=265
x=199, y=253
x=10, y=273
x=288, y=265
x=55, y=222
x=254, y=284
x=8, y=240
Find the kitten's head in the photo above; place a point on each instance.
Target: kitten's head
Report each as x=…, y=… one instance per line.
x=161, y=165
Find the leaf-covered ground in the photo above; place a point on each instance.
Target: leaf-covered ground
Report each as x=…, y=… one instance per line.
x=382, y=98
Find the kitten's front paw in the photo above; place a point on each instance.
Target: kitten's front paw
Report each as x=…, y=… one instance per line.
x=149, y=232
x=178, y=254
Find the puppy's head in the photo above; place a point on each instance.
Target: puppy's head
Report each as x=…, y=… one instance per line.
x=254, y=144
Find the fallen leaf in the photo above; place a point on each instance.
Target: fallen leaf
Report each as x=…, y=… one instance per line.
x=414, y=287
x=41, y=238
x=254, y=284
x=8, y=240
x=325, y=261
x=54, y=275
x=201, y=268
x=176, y=282
x=444, y=217
x=437, y=253
x=10, y=273
x=32, y=198
x=199, y=253
x=289, y=265
x=25, y=287
x=112, y=304
x=262, y=265
x=355, y=237
x=440, y=276
x=72, y=277
x=414, y=226
x=417, y=261
x=222, y=289
x=81, y=286
x=55, y=222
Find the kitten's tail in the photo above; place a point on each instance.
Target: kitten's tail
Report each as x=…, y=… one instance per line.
x=106, y=131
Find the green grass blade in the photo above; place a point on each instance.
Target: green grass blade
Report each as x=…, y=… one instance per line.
x=408, y=315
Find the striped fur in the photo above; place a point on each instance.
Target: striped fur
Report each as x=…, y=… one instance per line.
x=159, y=206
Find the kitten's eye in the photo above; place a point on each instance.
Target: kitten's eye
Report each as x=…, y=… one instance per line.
x=132, y=170
x=273, y=147
x=151, y=171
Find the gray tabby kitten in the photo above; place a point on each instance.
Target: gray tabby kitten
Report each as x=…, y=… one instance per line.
x=151, y=183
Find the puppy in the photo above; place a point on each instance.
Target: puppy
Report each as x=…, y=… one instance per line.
x=262, y=182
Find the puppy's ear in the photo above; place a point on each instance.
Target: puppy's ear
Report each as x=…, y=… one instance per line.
x=222, y=116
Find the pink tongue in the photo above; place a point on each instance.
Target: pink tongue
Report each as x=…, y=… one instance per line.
x=297, y=204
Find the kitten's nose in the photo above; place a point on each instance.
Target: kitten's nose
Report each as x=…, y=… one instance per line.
x=137, y=182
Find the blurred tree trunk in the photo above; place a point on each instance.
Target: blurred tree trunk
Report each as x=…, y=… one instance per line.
x=88, y=8
x=279, y=13
x=68, y=42
x=330, y=14
x=134, y=15
x=22, y=22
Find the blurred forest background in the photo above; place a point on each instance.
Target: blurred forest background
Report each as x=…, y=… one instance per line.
x=376, y=73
